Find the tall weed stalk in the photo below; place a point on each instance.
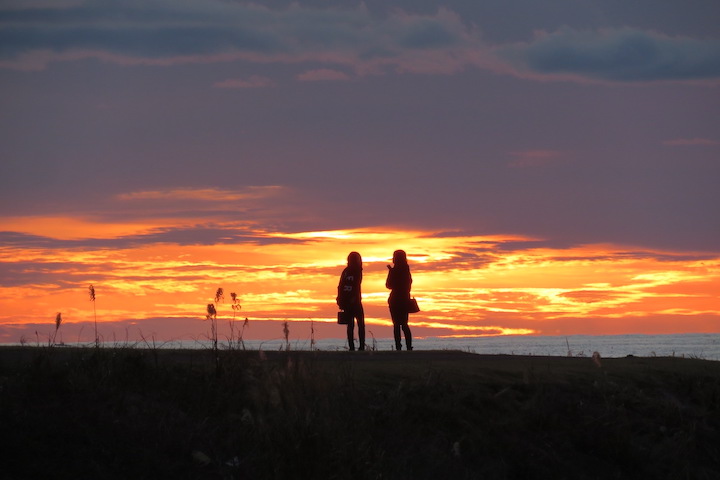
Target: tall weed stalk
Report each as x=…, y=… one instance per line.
x=58, y=322
x=235, y=308
x=91, y=290
x=211, y=315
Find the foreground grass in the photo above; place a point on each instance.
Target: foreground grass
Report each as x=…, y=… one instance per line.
x=133, y=413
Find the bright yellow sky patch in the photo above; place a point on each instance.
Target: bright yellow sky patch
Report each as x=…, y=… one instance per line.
x=465, y=285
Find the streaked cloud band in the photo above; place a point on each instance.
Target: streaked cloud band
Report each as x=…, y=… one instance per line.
x=166, y=33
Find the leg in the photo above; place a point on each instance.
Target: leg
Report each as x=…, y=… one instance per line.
x=408, y=336
x=400, y=319
x=351, y=334
x=397, y=322
x=396, y=333
x=360, y=315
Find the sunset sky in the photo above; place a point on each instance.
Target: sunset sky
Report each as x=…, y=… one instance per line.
x=551, y=168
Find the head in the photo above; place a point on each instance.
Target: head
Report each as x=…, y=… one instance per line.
x=354, y=260
x=399, y=257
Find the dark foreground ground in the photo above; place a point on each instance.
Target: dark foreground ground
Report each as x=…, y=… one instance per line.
x=134, y=413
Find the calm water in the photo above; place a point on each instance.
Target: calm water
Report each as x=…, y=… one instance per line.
x=706, y=346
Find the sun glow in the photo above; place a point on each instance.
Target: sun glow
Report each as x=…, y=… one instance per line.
x=467, y=285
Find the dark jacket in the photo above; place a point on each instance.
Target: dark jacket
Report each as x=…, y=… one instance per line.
x=349, y=294
x=399, y=281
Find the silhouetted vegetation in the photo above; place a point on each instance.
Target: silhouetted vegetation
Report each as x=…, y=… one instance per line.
x=154, y=413
x=58, y=322
x=91, y=292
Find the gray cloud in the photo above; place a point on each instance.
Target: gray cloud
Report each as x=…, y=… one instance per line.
x=429, y=33
x=160, y=32
x=619, y=55
x=153, y=29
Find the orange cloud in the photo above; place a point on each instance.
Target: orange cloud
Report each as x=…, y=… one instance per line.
x=466, y=284
x=72, y=228
x=204, y=194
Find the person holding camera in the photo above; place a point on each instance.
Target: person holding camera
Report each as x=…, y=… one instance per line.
x=399, y=281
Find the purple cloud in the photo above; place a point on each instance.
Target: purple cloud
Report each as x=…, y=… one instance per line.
x=691, y=142
x=253, y=81
x=537, y=158
x=322, y=74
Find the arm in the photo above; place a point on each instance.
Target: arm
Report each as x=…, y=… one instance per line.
x=340, y=299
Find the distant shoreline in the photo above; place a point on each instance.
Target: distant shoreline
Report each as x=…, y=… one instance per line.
x=705, y=346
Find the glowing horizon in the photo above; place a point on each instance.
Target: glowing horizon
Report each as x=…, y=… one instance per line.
x=467, y=285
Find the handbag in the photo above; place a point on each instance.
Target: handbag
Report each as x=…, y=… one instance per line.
x=344, y=317
x=412, y=306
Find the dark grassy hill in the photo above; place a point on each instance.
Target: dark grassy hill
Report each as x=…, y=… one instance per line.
x=140, y=413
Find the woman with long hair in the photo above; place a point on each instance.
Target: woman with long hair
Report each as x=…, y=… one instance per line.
x=349, y=299
x=399, y=281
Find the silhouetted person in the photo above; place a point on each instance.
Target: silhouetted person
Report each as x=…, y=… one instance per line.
x=399, y=282
x=349, y=298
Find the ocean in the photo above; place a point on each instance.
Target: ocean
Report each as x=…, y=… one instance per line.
x=704, y=346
